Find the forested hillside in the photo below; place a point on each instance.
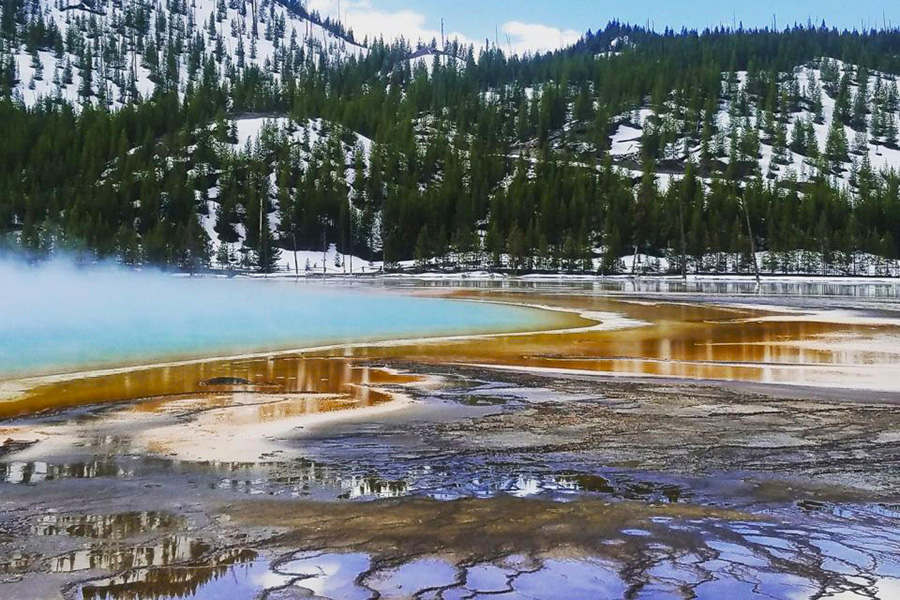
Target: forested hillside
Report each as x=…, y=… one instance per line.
x=228, y=134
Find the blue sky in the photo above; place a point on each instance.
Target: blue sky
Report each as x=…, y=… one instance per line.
x=472, y=15
x=546, y=24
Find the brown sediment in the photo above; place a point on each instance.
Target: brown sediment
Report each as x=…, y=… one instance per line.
x=678, y=340
x=466, y=529
x=343, y=381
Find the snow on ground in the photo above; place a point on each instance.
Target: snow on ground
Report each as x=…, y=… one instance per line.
x=250, y=129
x=801, y=265
x=248, y=132
x=625, y=142
x=639, y=263
x=330, y=262
x=234, y=31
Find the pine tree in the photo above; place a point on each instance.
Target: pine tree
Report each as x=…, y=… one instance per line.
x=860, y=143
x=517, y=247
x=890, y=131
x=780, y=145
x=798, y=137
x=860, y=105
x=423, y=252
x=86, y=74
x=836, y=147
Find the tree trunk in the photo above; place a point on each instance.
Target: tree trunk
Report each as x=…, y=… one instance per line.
x=262, y=257
x=752, y=246
x=683, y=243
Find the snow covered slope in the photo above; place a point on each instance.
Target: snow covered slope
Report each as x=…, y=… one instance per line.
x=803, y=137
x=307, y=139
x=113, y=51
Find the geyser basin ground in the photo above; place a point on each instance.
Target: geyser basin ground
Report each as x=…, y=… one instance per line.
x=543, y=486
x=232, y=478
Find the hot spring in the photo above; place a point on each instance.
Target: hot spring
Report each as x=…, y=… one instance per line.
x=60, y=317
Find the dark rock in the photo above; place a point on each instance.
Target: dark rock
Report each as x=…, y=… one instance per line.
x=227, y=381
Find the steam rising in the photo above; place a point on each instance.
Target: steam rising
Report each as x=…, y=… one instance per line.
x=58, y=315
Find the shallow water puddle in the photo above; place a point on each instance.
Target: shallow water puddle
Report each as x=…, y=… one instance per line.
x=31, y=472
x=330, y=575
x=666, y=557
x=234, y=574
x=16, y=562
x=108, y=527
x=167, y=551
x=351, y=576
x=308, y=478
x=409, y=578
x=624, y=487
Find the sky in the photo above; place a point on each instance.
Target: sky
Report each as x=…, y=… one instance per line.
x=540, y=25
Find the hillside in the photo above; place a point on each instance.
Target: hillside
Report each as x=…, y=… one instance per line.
x=232, y=135
x=112, y=52
x=802, y=133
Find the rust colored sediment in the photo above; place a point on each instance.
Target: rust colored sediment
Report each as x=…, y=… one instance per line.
x=677, y=340
x=343, y=379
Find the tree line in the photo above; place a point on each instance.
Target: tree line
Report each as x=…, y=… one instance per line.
x=477, y=159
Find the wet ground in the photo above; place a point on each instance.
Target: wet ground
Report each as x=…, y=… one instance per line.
x=492, y=485
x=211, y=480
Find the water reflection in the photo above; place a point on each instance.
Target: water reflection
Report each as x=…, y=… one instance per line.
x=110, y=527
x=35, y=472
x=16, y=562
x=462, y=479
x=680, y=340
x=303, y=477
x=326, y=574
x=202, y=580
x=168, y=551
x=880, y=290
x=366, y=487
x=39, y=471
x=216, y=381
x=664, y=557
x=622, y=487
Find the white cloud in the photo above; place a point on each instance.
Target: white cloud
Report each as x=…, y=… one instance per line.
x=367, y=20
x=534, y=37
